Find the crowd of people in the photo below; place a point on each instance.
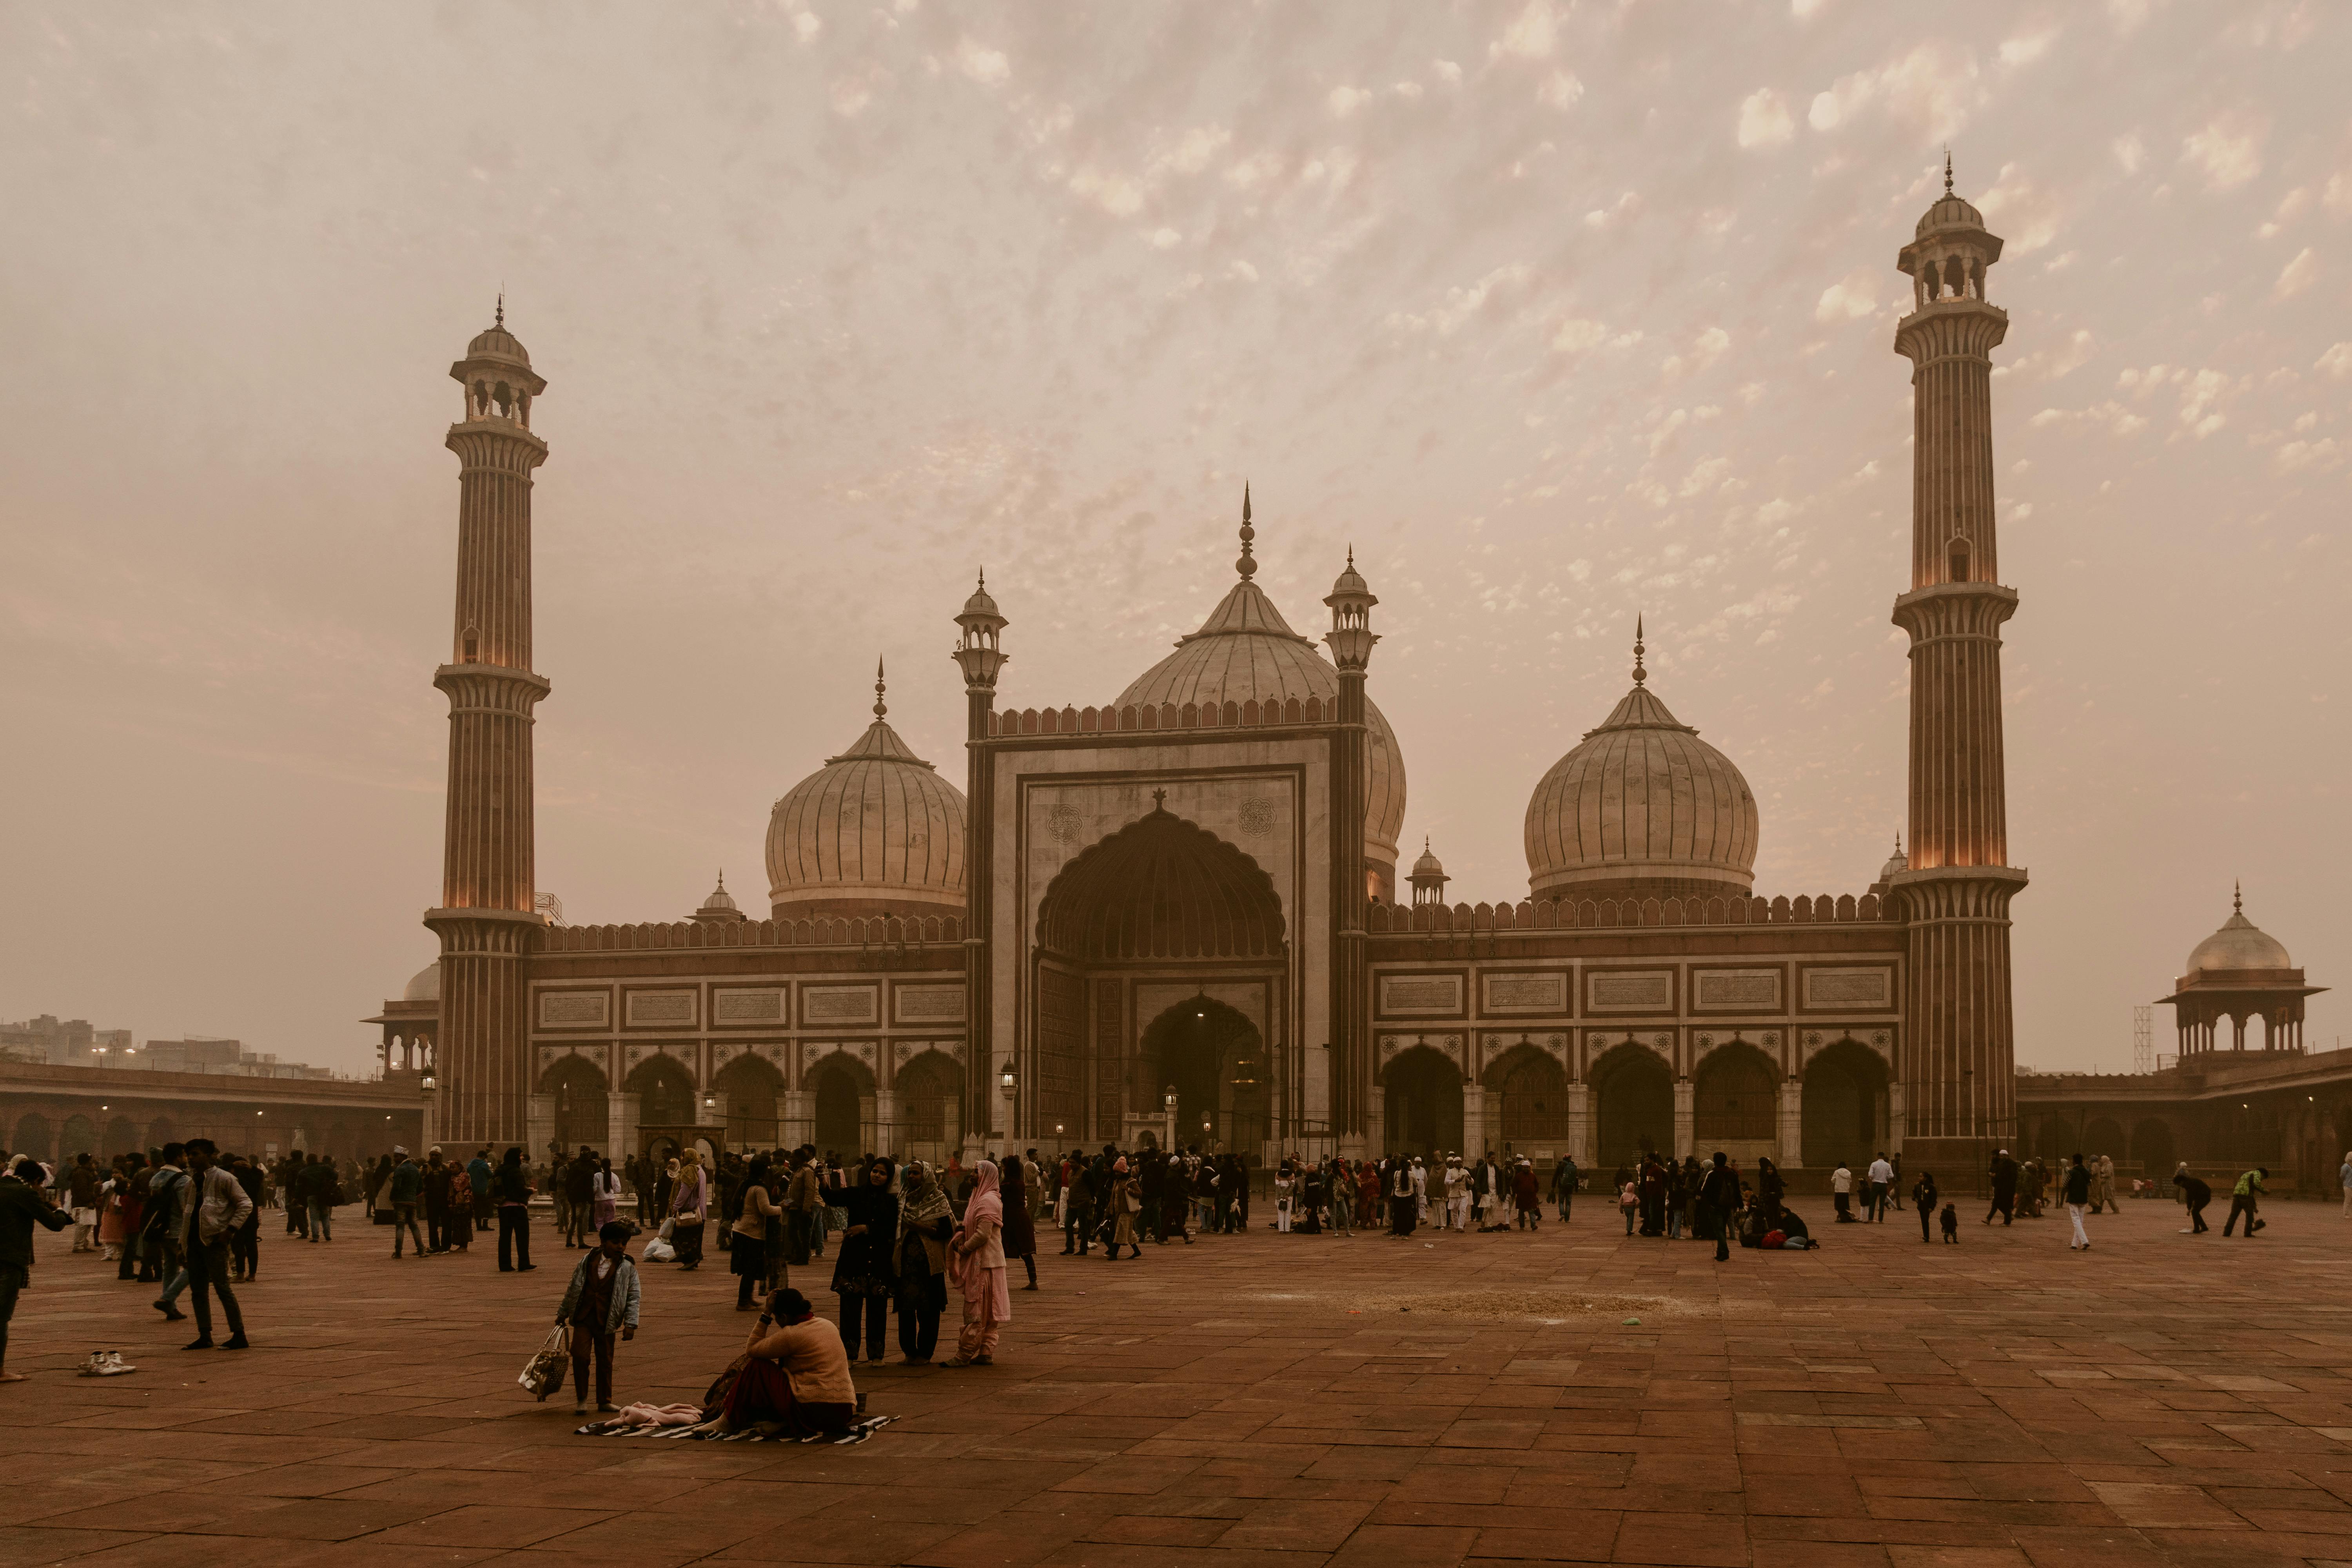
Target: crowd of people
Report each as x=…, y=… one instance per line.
x=906, y=1238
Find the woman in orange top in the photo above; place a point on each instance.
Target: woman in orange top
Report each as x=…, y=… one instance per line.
x=797, y=1380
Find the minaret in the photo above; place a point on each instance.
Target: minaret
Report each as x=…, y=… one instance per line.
x=977, y=654
x=485, y=920
x=1957, y=1051
x=1350, y=640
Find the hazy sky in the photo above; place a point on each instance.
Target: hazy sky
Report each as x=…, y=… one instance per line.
x=1558, y=312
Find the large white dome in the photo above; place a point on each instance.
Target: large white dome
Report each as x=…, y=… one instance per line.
x=875, y=830
x=2239, y=944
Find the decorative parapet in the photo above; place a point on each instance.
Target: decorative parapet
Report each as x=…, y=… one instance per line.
x=868, y=932
x=1547, y=914
x=1165, y=716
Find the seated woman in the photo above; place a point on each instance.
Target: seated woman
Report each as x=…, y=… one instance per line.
x=796, y=1382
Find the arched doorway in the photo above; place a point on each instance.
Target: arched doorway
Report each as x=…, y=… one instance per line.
x=121, y=1137
x=1845, y=1105
x=1634, y=1113
x=840, y=1086
x=750, y=1083
x=80, y=1137
x=2104, y=1135
x=1736, y=1103
x=1160, y=899
x=664, y=1101
x=1421, y=1111
x=1532, y=1112
x=1214, y=1059
x=930, y=1106
x=2152, y=1147
x=583, y=1106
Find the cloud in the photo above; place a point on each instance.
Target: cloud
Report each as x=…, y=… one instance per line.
x=2336, y=363
x=1166, y=240
x=1928, y=92
x=1531, y=34
x=2114, y=417
x=1447, y=72
x=1852, y=297
x=1560, y=91
x=2298, y=454
x=2297, y=275
x=2026, y=47
x=2129, y=151
x=1345, y=100
x=2229, y=150
x=1496, y=289
x=982, y=64
x=1764, y=119
x=2032, y=215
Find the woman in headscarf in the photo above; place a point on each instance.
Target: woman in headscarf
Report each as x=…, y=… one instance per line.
x=925, y=1224
x=606, y=1189
x=1020, y=1230
x=665, y=1186
x=751, y=1258
x=861, y=1268
x=689, y=1207
x=1368, y=1191
x=976, y=1263
x=1122, y=1208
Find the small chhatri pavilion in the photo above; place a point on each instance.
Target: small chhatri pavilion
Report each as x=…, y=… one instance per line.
x=2240, y=974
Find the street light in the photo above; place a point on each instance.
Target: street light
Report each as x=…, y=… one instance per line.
x=1171, y=1097
x=1005, y=1080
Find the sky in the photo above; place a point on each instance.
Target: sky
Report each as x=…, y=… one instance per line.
x=1557, y=313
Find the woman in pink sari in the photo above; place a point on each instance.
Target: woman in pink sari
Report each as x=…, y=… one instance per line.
x=976, y=1263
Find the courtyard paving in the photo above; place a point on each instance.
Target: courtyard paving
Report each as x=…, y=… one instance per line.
x=1261, y=1400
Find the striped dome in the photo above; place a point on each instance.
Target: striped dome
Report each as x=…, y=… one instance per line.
x=1246, y=652
x=1641, y=806
x=875, y=830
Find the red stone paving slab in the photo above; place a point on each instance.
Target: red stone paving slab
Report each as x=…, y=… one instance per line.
x=1262, y=1400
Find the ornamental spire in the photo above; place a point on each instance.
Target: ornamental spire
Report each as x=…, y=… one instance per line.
x=880, y=707
x=1947, y=169
x=1247, y=565
x=2237, y=898
x=1640, y=675
x=502, y=310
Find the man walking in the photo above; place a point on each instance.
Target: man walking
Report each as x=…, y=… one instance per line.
x=1457, y=1194
x=1564, y=1177
x=2245, y=1199
x=167, y=1198
x=1719, y=1197
x=2078, y=1196
x=217, y=1207
x=2004, y=1188
x=408, y=1186
x=1841, y=1193
x=83, y=1184
x=23, y=1204
x=580, y=1198
x=1881, y=1177
x=2102, y=1185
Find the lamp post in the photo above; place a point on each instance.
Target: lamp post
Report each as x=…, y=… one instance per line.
x=1168, y=1115
x=429, y=1134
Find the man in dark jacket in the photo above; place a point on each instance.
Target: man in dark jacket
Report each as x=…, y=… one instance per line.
x=2196, y=1195
x=1718, y=1195
x=23, y=1204
x=407, y=1186
x=579, y=1181
x=2004, y=1188
x=2077, y=1194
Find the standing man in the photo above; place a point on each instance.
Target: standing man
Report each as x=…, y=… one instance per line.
x=217, y=1207
x=1882, y=1177
x=23, y=1204
x=407, y=1187
x=2245, y=1199
x=580, y=1198
x=244, y=1247
x=83, y=1184
x=167, y=1198
x=2077, y=1195
x=1718, y=1198
x=2004, y=1188
x=1564, y=1177
x=478, y=1177
x=1457, y=1194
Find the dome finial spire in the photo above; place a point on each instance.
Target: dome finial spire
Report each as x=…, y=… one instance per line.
x=1948, y=168
x=2237, y=898
x=880, y=707
x=1640, y=676
x=502, y=309
x=1247, y=565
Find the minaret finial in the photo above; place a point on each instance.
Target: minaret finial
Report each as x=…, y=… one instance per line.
x=502, y=310
x=723, y=879
x=880, y=707
x=1948, y=168
x=1640, y=675
x=1247, y=565
x=2237, y=898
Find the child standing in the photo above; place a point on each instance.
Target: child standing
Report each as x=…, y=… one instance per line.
x=1630, y=1200
x=1951, y=1223
x=601, y=1302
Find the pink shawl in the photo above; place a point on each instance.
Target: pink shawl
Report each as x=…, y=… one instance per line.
x=986, y=1202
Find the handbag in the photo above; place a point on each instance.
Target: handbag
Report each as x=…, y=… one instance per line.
x=544, y=1373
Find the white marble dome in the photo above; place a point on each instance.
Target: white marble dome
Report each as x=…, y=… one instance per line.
x=424, y=985
x=874, y=831
x=1246, y=652
x=1642, y=806
x=2239, y=944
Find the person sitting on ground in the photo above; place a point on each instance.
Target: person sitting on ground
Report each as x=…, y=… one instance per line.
x=795, y=1381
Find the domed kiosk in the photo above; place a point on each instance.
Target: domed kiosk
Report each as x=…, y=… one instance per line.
x=2241, y=975
x=1642, y=807
x=874, y=831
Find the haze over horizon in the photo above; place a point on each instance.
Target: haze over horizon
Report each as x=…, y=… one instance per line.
x=1559, y=314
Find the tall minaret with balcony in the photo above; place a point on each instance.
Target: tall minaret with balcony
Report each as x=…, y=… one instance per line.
x=977, y=654
x=1959, y=1052
x=1350, y=640
x=485, y=922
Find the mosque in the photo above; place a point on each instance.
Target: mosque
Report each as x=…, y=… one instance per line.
x=1178, y=916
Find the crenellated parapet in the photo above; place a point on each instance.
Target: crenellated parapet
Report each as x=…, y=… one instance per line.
x=943, y=930
x=1547, y=914
x=1288, y=714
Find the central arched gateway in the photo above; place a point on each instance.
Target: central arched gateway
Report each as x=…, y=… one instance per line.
x=1421, y=1111
x=1161, y=963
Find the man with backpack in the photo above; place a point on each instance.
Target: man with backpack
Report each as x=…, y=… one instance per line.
x=159, y=1226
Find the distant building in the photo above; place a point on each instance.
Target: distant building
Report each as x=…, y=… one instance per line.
x=65, y=1043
